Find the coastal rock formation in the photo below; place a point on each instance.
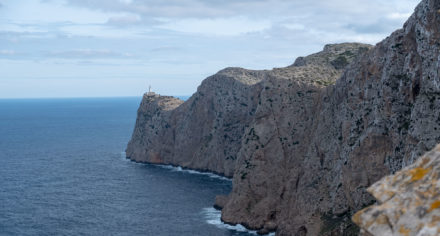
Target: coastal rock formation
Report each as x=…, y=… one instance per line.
x=304, y=142
x=205, y=132
x=152, y=128
x=408, y=201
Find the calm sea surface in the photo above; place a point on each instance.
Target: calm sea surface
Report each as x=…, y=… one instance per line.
x=63, y=172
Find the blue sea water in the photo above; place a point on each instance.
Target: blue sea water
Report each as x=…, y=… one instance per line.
x=63, y=172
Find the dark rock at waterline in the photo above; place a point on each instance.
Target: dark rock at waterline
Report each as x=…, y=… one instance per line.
x=220, y=201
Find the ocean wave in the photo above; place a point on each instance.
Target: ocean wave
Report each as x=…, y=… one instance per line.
x=213, y=217
x=124, y=155
x=180, y=169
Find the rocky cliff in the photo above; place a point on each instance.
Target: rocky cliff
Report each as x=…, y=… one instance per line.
x=206, y=132
x=304, y=142
x=408, y=202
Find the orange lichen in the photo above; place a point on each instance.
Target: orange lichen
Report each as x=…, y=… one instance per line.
x=379, y=220
x=435, y=220
x=404, y=231
x=418, y=173
x=356, y=218
x=434, y=206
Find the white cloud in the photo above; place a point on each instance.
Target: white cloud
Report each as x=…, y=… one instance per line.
x=102, y=31
x=398, y=15
x=126, y=20
x=46, y=12
x=7, y=52
x=294, y=26
x=223, y=26
x=88, y=53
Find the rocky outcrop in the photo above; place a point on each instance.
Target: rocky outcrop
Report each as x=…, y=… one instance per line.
x=205, y=132
x=408, y=201
x=303, y=142
x=152, y=128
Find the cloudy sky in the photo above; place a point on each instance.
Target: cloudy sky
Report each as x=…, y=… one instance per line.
x=96, y=48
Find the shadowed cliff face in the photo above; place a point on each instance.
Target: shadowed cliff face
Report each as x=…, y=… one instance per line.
x=304, y=142
x=326, y=148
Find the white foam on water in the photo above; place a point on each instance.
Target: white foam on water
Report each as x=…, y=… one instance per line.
x=180, y=169
x=213, y=217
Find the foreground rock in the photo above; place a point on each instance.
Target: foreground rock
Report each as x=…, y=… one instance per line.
x=408, y=202
x=303, y=142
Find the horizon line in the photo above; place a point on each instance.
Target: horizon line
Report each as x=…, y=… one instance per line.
x=81, y=97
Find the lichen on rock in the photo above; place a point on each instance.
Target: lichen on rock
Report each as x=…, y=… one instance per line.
x=408, y=201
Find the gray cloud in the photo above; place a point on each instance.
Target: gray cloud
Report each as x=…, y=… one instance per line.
x=357, y=16
x=124, y=20
x=378, y=27
x=90, y=38
x=256, y=8
x=166, y=49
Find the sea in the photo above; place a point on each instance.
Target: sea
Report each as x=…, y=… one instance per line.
x=63, y=171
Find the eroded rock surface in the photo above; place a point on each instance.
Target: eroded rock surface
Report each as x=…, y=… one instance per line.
x=408, y=201
x=312, y=153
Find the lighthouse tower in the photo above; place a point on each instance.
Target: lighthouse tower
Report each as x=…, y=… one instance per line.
x=150, y=93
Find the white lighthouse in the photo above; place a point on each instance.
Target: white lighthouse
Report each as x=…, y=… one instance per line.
x=150, y=93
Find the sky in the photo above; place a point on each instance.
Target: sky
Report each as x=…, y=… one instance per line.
x=112, y=48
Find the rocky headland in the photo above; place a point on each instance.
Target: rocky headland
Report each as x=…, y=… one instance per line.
x=304, y=142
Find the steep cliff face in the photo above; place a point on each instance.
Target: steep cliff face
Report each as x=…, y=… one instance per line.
x=206, y=132
x=308, y=165
x=304, y=142
x=153, y=129
x=408, y=202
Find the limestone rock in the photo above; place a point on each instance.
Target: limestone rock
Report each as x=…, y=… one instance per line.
x=152, y=127
x=205, y=132
x=408, y=201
